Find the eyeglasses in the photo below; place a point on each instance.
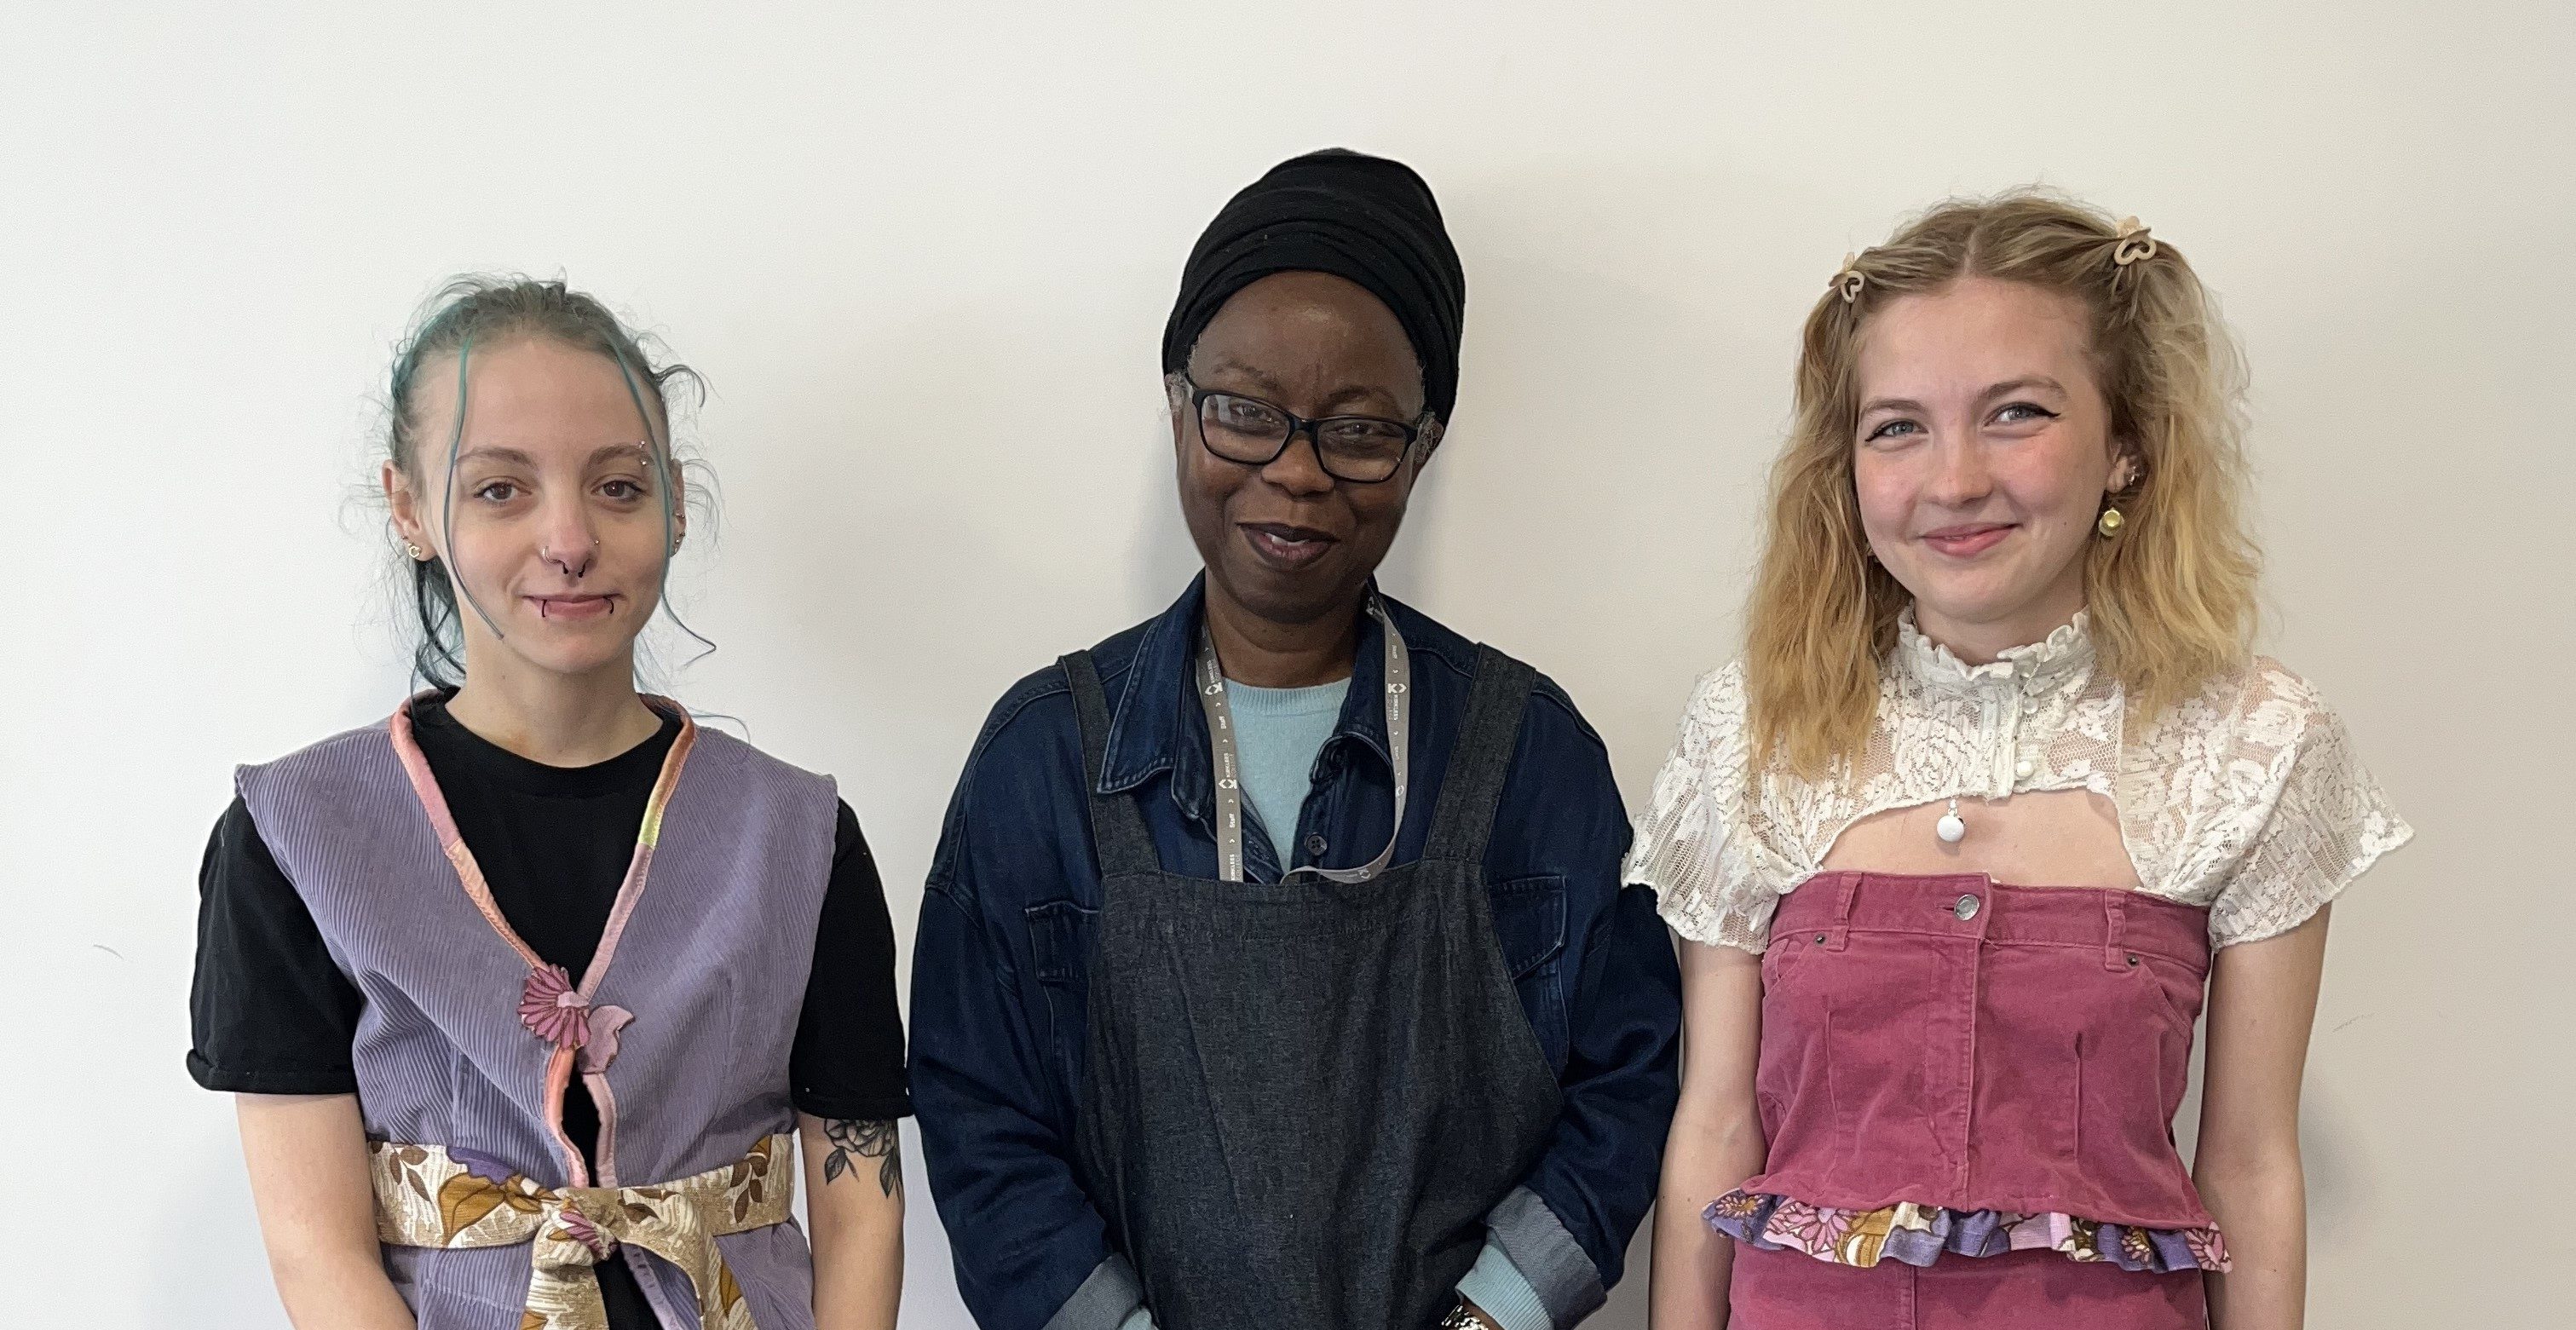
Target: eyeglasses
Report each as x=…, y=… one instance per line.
x=1250, y=431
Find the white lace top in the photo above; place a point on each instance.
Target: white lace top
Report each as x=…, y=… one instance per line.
x=2247, y=799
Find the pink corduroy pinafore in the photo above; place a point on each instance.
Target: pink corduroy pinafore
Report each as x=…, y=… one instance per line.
x=1977, y=1049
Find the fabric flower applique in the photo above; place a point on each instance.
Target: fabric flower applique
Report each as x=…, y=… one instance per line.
x=553, y=1009
x=561, y=1014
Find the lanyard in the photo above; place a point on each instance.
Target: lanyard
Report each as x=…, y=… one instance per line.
x=1229, y=782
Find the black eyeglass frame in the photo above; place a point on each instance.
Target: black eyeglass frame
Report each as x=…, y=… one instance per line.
x=1297, y=425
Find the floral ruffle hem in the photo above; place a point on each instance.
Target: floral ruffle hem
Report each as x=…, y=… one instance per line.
x=1918, y=1234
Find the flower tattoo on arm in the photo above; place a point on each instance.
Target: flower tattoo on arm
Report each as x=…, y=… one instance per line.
x=868, y=1140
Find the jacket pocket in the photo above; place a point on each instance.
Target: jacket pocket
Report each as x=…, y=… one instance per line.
x=1529, y=923
x=1060, y=941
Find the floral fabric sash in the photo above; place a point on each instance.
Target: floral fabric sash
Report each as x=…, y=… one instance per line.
x=432, y=1196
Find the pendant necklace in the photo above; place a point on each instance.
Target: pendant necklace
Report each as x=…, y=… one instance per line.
x=1950, y=828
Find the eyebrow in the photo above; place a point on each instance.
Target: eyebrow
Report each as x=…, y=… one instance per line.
x=1349, y=395
x=518, y=457
x=1272, y=386
x=2026, y=381
x=1998, y=390
x=1260, y=379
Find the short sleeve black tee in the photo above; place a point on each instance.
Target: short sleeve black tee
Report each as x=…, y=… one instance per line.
x=272, y=1013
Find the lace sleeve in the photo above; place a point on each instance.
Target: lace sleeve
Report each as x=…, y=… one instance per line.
x=2315, y=819
x=1693, y=845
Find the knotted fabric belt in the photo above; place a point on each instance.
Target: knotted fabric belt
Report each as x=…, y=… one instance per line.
x=432, y=1196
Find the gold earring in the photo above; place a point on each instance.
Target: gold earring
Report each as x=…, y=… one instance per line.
x=415, y=551
x=2109, y=523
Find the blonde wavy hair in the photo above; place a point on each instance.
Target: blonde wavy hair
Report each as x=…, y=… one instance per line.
x=2171, y=599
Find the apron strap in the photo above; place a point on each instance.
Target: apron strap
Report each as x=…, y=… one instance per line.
x=1481, y=758
x=1117, y=829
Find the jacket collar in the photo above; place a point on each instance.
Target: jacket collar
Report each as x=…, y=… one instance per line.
x=1156, y=725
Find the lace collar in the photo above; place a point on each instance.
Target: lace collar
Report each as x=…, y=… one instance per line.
x=2062, y=660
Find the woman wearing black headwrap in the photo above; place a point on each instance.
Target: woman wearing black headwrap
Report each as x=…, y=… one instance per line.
x=1274, y=969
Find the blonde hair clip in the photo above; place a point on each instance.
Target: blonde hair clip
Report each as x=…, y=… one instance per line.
x=1849, y=279
x=2135, y=246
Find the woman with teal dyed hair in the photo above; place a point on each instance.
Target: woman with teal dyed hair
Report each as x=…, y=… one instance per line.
x=525, y=990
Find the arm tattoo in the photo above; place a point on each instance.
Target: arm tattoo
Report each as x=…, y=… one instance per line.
x=868, y=1140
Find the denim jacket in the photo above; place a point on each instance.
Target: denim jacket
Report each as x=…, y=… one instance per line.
x=998, y=996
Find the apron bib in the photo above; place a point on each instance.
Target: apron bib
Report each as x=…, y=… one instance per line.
x=1300, y=1100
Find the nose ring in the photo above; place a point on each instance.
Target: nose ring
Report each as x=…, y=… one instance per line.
x=558, y=560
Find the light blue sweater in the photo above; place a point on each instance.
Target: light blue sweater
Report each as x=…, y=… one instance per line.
x=1277, y=733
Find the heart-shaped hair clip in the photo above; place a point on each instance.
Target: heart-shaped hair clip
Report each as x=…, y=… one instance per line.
x=2136, y=244
x=1850, y=279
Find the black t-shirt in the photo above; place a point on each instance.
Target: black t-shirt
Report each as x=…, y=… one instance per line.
x=273, y=1014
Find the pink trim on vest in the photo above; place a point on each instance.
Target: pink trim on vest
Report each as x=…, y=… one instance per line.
x=572, y=1023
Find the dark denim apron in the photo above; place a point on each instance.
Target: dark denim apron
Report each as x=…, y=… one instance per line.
x=1301, y=1099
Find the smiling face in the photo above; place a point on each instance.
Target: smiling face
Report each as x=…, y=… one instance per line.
x=1286, y=541
x=557, y=521
x=1981, y=457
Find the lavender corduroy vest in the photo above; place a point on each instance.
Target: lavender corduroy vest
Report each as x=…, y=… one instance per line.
x=706, y=955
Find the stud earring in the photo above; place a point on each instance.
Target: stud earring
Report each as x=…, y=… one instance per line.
x=2109, y=523
x=415, y=551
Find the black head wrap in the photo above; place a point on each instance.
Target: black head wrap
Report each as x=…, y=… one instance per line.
x=1367, y=219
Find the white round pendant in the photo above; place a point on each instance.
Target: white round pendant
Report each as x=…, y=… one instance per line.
x=1950, y=829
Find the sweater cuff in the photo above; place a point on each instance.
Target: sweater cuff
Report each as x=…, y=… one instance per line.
x=1503, y=1293
x=1544, y=1254
x=1108, y=1299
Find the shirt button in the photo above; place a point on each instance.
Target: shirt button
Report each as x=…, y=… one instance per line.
x=1315, y=842
x=1966, y=908
x=2025, y=768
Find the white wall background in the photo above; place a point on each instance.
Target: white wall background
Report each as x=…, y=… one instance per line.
x=924, y=253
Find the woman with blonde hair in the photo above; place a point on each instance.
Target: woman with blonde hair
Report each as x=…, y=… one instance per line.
x=1996, y=798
